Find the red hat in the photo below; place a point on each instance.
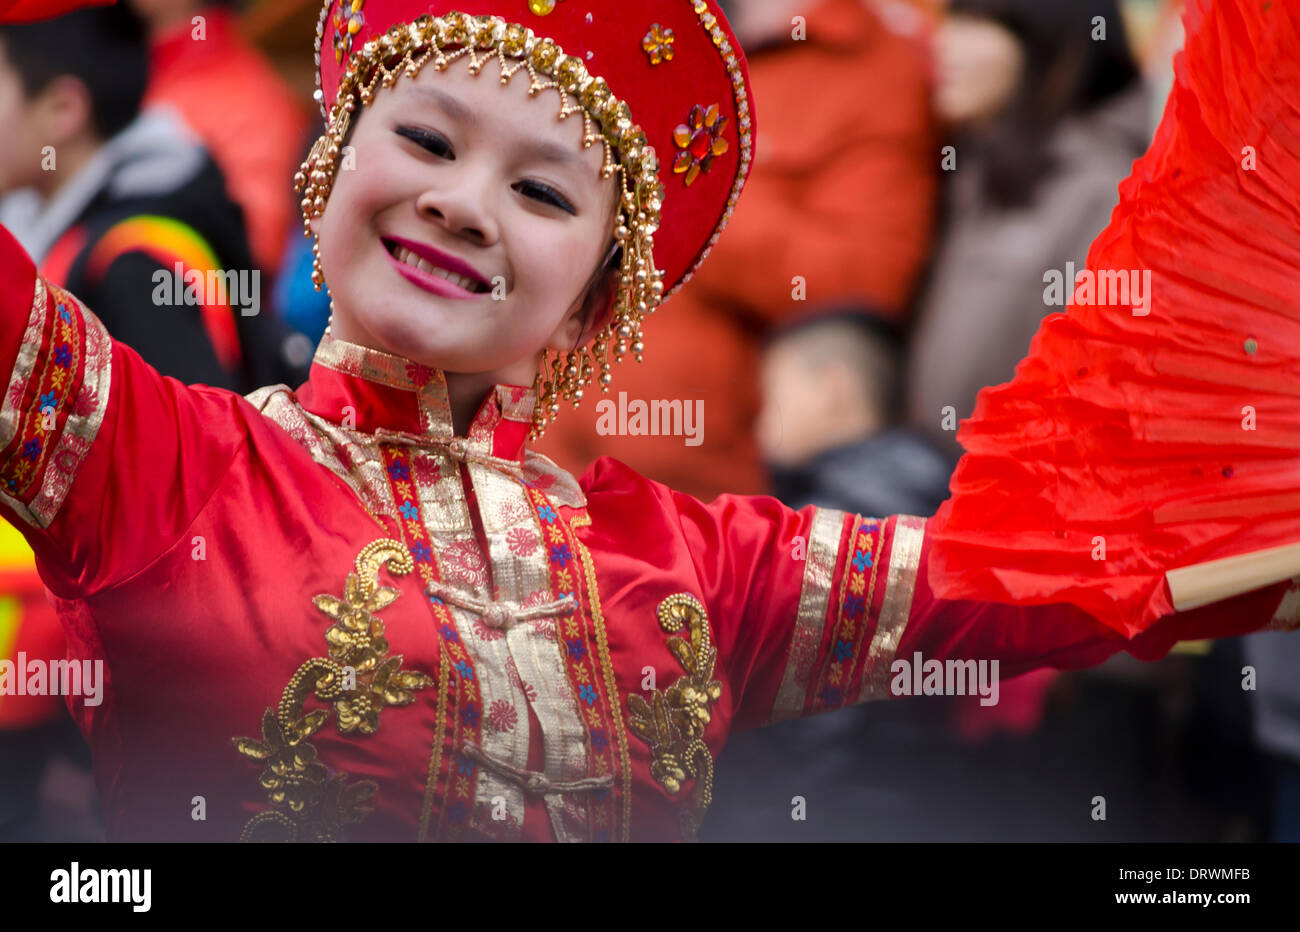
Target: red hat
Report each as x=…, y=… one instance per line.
x=26, y=11
x=663, y=86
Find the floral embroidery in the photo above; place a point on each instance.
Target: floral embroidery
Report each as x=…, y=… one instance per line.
x=502, y=716
x=560, y=554
x=512, y=512
x=658, y=44
x=673, y=721
x=359, y=680
x=484, y=632
x=463, y=561
x=427, y=469
x=847, y=638
x=521, y=541
x=700, y=139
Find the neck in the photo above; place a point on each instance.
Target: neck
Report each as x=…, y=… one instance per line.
x=465, y=390
x=72, y=157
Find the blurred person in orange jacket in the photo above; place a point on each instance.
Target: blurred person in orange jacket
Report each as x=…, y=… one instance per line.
x=795, y=236
x=231, y=96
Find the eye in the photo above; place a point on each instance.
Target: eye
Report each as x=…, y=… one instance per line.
x=545, y=194
x=427, y=139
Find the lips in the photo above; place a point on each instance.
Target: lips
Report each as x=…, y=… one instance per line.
x=427, y=262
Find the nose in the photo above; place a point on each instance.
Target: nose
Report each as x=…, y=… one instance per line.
x=464, y=203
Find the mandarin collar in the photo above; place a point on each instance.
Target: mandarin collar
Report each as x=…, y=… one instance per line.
x=401, y=401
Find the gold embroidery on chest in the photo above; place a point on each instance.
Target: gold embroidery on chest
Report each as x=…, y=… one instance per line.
x=309, y=804
x=673, y=721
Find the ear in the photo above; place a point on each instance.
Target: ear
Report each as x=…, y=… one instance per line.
x=65, y=109
x=595, y=312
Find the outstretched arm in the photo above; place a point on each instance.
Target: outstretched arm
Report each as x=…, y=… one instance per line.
x=814, y=607
x=103, y=462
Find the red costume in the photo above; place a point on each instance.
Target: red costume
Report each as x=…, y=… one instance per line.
x=568, y=656
x=330, y=617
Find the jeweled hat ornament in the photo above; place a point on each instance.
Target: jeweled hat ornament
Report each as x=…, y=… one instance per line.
x=663, y=87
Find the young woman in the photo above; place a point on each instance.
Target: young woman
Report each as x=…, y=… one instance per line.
x=365, y=609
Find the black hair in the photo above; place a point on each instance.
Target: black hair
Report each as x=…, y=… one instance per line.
x=1066, y=71
x=105, y=48
x=869, y=347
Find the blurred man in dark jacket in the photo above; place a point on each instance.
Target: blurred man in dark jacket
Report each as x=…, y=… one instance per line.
x=127, y=209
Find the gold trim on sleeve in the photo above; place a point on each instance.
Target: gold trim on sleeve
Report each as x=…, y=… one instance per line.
x=896, y=607
x=810, y=622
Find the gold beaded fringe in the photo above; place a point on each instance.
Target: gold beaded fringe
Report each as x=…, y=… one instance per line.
x=405, y=49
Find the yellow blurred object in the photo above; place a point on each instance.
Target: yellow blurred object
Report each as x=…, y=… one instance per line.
x=15, y=555
x=1194, y=648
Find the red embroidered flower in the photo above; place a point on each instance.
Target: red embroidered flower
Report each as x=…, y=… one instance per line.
x=417, y=373
x=485, y=424
x=521, y=541
x=85, y=402
x=16, y=392
x=509, y=512
x=464, y=562
x=502, y=716
x=700, y=139
x=427, y=469
x=485, y=632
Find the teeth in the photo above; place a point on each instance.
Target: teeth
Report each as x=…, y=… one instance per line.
x=405, y=255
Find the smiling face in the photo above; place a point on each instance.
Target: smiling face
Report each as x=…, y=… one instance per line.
x=980, y=65
x=456, y=172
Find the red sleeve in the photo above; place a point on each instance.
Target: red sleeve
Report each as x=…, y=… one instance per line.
x=813, y=608
x=103, y=462
x=25, y=11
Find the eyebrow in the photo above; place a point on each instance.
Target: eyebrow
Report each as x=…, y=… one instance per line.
x=543, y=150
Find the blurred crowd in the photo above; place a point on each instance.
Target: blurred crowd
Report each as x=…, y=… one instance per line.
x=921, y=165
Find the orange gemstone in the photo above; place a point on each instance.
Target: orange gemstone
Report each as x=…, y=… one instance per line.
x=700, y=145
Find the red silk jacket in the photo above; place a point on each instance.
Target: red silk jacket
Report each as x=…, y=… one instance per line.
x=323, y=616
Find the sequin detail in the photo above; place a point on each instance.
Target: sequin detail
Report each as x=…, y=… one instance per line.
x=673, y=721
x=359, y=680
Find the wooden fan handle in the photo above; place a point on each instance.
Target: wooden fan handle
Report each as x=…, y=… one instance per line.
x=1215, y=580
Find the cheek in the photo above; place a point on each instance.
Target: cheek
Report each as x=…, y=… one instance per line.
x=555, y=262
